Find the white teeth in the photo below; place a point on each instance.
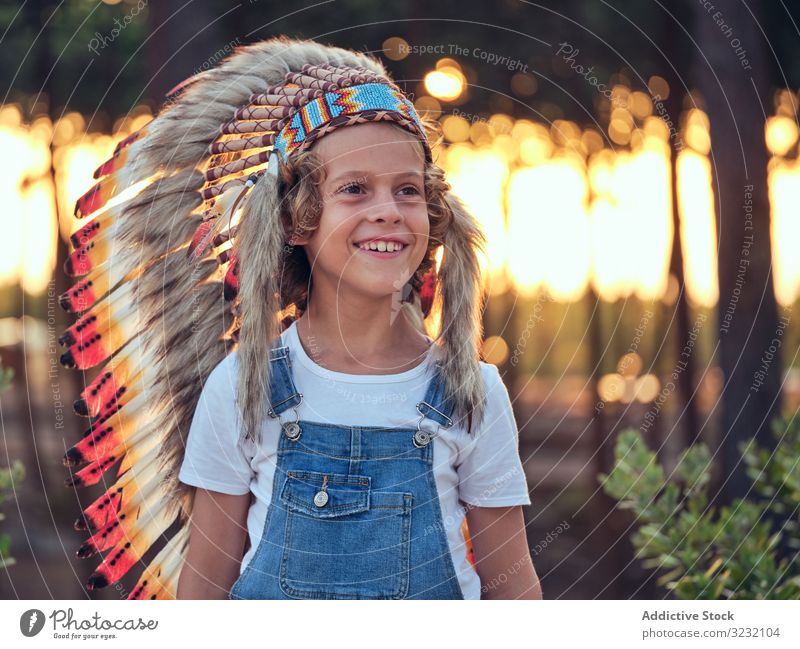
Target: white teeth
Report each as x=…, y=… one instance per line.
x=382, y=246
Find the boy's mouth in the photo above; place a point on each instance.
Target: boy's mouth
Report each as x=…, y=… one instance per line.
x=384, y=249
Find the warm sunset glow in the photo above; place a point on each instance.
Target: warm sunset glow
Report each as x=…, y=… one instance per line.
x=561, y=206
x=495, y=350
x=478, y=177
x=446, y=83
x=631, y=224
x=698, y=227
x=627, y=384
x=30, y=219
x=784, y=195
x=781, y=134
x=548, y=230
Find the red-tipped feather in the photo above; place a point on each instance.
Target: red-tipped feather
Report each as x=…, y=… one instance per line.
x=102, y=437
x=180, y=88
x=134, y=453
x=427, y=292
x=85, y=292
x=104, y=385
x=80, y=297
x=103, y=539
x=201, y=233
x=114, y=402
x=120, y=522
x=128, y=551
x=97, y=441
x=92, y=473
x=132, y=137
x=97, y=225
x=231, y=283
x=159, y=581
x=216, y=218
x=123, y=370
x=88, y=257
x=115, y=307
x=99, y=512
x=102, y=510
x=99, y=345
x=83, y=329
x=79, y=262
x=96, y=197
x=115, y=424
x=114, y=163
x=85, y=233
x=100, y=332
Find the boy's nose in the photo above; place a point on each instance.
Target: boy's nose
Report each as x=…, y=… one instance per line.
x=385, y=210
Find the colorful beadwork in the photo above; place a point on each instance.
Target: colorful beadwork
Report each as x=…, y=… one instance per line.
x=299, y=132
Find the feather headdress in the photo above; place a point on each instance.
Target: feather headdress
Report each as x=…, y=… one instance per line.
x=176, y=276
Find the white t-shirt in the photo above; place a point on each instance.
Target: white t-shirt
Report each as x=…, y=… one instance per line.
x=483, y=470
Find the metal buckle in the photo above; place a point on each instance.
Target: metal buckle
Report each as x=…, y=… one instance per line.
x=271, y=412
x=437, y=411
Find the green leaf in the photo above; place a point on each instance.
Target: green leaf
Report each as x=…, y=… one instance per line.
x=694, y=467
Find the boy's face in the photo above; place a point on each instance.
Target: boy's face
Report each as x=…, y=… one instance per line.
x=373, y=189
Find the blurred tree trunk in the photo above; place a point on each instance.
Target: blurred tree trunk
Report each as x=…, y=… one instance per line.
x=181, y=44
x=677, y=54
x=737, y=94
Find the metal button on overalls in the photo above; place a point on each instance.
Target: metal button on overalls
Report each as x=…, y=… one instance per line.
x=321, y=497
x=292, y=430
x=421, y=438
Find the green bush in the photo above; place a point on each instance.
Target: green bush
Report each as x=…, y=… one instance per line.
x=728, y=553
x=8, y=477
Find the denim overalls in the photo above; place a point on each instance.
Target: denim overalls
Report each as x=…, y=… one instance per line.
x=355, y=512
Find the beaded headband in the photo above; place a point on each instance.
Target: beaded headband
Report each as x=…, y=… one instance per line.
x=368, y=102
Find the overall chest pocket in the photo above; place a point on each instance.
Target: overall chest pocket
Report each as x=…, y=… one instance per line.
x=343, y=539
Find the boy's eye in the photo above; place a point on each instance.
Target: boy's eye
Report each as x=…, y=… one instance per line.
x=350, y=186
x=355, y=188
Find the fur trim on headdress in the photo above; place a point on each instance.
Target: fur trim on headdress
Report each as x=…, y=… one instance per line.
x=461, y=320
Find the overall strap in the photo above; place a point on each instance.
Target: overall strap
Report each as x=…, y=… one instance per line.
x=434, y=406
x=283, y=394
